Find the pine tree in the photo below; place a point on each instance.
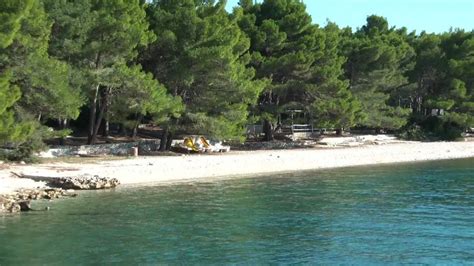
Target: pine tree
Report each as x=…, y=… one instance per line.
x=303, y=63
x=442, y=97
x=95, y=36
x=284, y=46
x=378, y=60
x=459, y=85
x=200, y=56
x=11, y=14
x=333, y=105
x=138, y=95
x=427, y=72
x=44, y=81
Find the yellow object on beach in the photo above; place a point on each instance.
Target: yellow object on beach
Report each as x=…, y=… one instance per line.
x=204, y=142
x=188, y=142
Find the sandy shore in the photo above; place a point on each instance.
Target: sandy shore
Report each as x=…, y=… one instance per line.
x=161, y=169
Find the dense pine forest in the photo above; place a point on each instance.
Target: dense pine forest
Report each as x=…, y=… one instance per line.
x=83, y=66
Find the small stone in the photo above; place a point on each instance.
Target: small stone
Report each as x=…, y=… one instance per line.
x=25, y=206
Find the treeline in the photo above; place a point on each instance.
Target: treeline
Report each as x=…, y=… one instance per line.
x=191, y=66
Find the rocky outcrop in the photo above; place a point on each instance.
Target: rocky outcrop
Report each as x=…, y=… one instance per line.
x=21, y=200
x=59, y=187
x=8, y=205
x=80, y=182
x=84, y=182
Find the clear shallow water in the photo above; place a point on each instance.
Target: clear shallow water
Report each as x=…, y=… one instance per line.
x=407, y=213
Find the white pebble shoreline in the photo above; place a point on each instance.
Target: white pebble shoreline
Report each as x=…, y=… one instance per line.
x=178, y=168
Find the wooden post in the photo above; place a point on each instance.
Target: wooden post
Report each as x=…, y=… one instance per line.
x=134, y=151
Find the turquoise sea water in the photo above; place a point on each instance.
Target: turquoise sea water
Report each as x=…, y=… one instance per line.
x=405, y=213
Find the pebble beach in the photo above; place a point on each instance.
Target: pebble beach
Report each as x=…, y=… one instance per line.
x=152, y=169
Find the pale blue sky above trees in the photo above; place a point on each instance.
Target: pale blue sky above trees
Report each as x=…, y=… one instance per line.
x=429, y=15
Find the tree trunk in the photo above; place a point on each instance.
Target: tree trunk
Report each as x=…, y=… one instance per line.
x=134, y=132
x=164, y=139
x=97, y=125
x=93, y=110
x=62, y=125
x=123, y=130
x=419, y=102
x=135, y=128
x=169, y=141
x=98, y=122
x=268, y=130
x=106, y=101
x=106, y=129
x=339, y=131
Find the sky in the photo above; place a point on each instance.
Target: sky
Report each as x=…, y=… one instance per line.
x=429, y=15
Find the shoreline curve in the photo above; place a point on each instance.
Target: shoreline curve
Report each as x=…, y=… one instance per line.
x=240, y=163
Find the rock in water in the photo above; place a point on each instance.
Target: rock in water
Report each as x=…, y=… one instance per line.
x=21, y=199
x=25, y=206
